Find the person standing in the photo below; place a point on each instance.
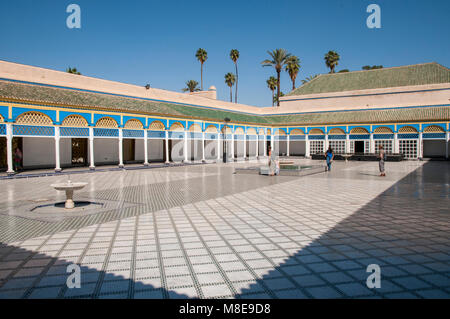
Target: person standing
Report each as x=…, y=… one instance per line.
x=382, y=157
x=329, y=155
x=17, y=159
x=273, y=163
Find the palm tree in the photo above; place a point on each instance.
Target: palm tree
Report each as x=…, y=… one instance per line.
x=234, y=55
x=202, y=56
x=292, y=67
x=309, y=78
x=230, y=79
x=275, y=98
x=331, y=60
x=272, y=85
x=191, y=86
x=279, y=58
x=73, y=71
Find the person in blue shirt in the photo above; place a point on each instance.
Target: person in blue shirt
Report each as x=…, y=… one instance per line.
x=329, y=156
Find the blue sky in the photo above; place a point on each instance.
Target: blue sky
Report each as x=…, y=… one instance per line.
x=154, y=41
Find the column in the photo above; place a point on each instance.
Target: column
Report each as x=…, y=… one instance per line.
x=372, y=144
x=325, y=144
x=145, y=148
x=120, y=148
x=218, y=147
x=9, y=150
x=420, y=146
x=185, y=150
x=245, y=146
x=257, y=146
x=287, y=147
x=396, y=146
x=57, y=153
x=91, y=148
x=265, y=145
x=271, y=142
x=232, y=147
x=307, y=148
x=203, y=147
x=447, y=139
x=347, y=143
x=167, y=147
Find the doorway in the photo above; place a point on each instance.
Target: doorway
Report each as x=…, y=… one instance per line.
x=359, y=147
x=79, y=152
x=129, y=148
x=3, y=154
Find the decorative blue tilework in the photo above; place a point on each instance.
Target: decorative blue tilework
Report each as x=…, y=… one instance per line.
x=228, y=137
x=433, y=136
x=251, y=137
x=2, y=129
x=316, y=137
x=360, y=136
x=336, y=137
x=106, y=132
x=156, y=134
x=195, y=135
x=176, y=135
x=297, y=137
x=410, y=135
x=383, y=136
x=211, y=136
x=238, y=137
x=33, y=130
x=280, y=138
x=133, y=133
x=74, y=131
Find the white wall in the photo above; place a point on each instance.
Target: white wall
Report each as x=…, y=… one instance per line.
x=194, y=150
x=251, y=148
x=433, y=148
x=156, y=150
x=106, y=150
x=65, y=151
x=297, y=148
x=139, y=150
x=211, y=149
x=38, y=151
x=239, y=148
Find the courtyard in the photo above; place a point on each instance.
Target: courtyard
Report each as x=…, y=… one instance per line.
x=200, y=231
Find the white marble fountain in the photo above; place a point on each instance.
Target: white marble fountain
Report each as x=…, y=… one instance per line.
x=69, y=188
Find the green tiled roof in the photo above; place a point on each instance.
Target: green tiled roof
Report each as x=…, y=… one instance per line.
x=73, y=98
x=68, y=97
x=407, y=114
x=420, y=74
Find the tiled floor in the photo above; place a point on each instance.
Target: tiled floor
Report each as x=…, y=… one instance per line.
x=203, y=232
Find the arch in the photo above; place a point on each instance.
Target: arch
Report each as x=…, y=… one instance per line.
x=228, y=130
x=156, y=126
x=336, y=131
x=34, y=118
x=383, y=130
x=211, y=129
x=74, y=120
x=269, y=131
x=251, y=131
x=433, y=129
x=407, y=129
x=280, y=132
x=239, y=131
x=359, y=130
x=297, y=131
x=177, y=127
x=107, y=122
x=1, y=119
x=261, y=131
x=195, y=128
x=134, y=124
x=316, y=131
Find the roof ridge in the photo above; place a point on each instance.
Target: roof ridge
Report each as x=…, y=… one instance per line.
x=382, y=69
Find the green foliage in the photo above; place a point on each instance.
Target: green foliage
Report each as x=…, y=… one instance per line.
x=73, y=71
x=373, y=67
x=332, y=60
x=191, y=86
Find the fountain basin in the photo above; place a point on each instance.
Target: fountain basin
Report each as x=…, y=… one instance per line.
x=69, y=188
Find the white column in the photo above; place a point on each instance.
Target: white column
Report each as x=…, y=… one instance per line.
x=271, y=141
x=232, y=147
x=185, y=150
x=347, y=143
x=218, y=147
x=57, y=153
x=307, y=147
x=9, y=150
x=257, y=146
x=447, y=139
x=265, y=145
x=288, y=141
x=396, y=144
x=167, y=147
x=420, y=146
x=203, y=147
x=372, y=144
x=325, y=144
x=145, y=148
x=245, y=145
x=120, y=148
x=91, y=148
